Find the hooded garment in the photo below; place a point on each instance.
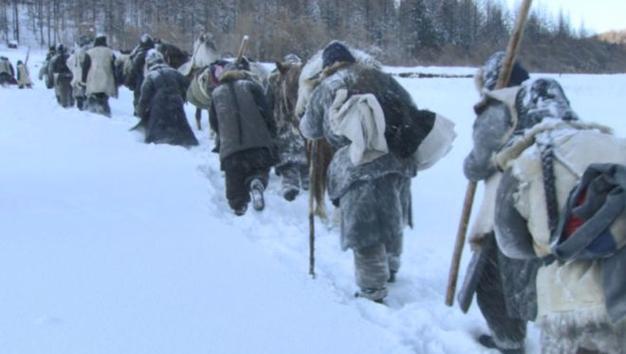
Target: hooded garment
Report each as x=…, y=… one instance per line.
x=161, y=107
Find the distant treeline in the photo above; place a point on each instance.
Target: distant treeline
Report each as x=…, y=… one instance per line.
x=406, y=32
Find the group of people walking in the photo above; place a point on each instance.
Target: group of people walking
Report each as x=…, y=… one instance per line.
x=552, y=224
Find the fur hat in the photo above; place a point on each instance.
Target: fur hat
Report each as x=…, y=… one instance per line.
x=61, y=48
x=154, y=57
x=101, y=40
x=487, y=76
x=336, y=52
x=540, y=99
x=146, y=41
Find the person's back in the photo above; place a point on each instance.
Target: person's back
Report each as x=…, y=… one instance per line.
x=59, y=63
x=161, y=104
x=242, y=114
x=245, y=130
x=578, y=310
x=98, y=69
x=374, y=196
x=23, y=75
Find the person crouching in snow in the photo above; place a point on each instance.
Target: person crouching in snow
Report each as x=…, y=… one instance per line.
x=246, y=131
x=23, y=76
x=161, y=102
x=369, y=177
x=7, y=74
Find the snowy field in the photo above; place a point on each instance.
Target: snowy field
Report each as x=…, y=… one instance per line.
x=109, y=245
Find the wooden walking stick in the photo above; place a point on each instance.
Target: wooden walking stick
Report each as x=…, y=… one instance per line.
x=242, y=48
x=503, y=79
x=312, y=192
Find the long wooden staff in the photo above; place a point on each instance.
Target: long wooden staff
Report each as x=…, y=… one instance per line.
x=312, y=192
x=242, y=48
x=503, y=79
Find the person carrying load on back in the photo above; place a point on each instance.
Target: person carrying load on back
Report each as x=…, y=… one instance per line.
x=376, y=129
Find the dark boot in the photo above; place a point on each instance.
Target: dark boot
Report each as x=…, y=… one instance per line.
x=256, y=191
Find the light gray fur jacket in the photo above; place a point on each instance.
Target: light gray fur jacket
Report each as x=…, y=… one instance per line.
x=573, y=293
x=372, y=215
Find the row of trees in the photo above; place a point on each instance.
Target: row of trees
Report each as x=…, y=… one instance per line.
x=448, y=32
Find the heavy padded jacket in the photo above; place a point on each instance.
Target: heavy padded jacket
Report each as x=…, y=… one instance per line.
x=240, y=115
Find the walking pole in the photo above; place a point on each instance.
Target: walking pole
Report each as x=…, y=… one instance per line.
x=312, y=185
x=242, y=48
x=503, y=79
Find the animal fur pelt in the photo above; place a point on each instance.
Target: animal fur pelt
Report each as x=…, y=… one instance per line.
x=310, y=76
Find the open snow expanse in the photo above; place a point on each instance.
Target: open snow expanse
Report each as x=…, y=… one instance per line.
x=109, y=245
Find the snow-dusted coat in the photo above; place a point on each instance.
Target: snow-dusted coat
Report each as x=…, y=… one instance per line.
x=99, y=66
x=138, y=62
x=75, y=63
x=573, y=294
x=573, y=290
x=290, y=143
x=494, y=124
x=240, y=115
x=161, y=104
x=373, y=216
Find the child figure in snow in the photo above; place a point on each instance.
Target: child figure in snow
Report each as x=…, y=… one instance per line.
x=245, y=130
x=373, y=190
x=23, y=76
x=161, y=104
x=7, y=73
x=98, y=77
x=505, y=291
x=62, y=77
x=581, y=288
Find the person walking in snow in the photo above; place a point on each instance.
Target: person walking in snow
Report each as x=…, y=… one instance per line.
x=161, y=102
x=98, y=77
x=75, y=64
x=45, y=72
x=245, y=129
x=282, y=93
x=369, y=180
x=62, y=77
x=23, y=76
x=561, y=200
x=7, y=73
x=505, y=291
x=138, y=67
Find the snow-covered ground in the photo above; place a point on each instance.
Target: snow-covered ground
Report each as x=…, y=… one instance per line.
x=109, y=245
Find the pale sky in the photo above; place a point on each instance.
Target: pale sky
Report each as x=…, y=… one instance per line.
x=597, y=15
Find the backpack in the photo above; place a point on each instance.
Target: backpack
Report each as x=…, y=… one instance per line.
x=593, y=222
x=405, y=125
x=572, y=190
